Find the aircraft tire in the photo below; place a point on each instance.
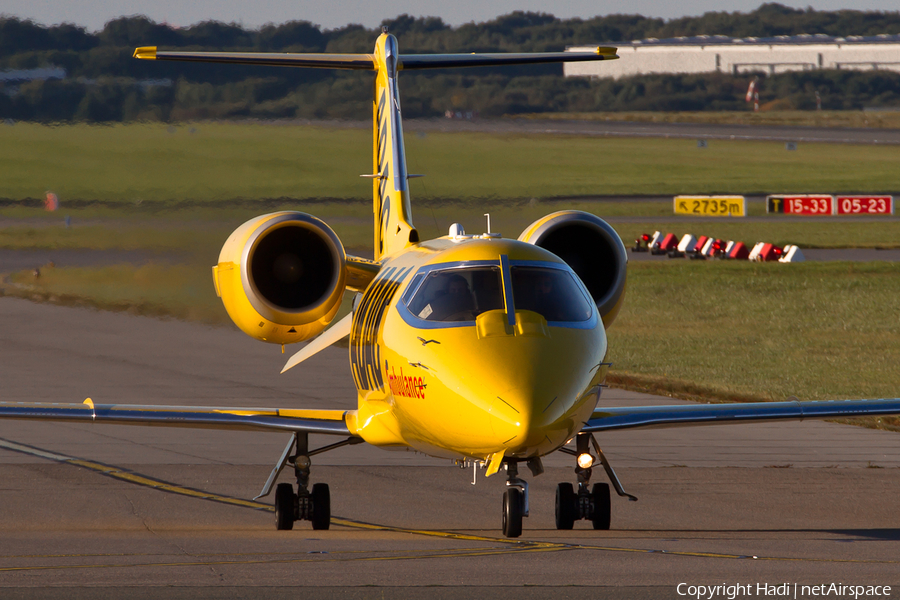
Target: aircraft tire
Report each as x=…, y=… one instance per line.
x=512, y=512
x=602, y=506
x=321, y=506
x=566, y=506
x=284, y=507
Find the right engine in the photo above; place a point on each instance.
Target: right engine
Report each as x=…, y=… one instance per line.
x=282, y=276
x=592, y=248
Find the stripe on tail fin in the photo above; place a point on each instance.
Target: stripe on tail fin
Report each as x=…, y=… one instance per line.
x=394, y=229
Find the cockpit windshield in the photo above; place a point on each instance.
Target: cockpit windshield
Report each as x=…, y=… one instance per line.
x=458, y=294
x=552, y=293
x=461, y=294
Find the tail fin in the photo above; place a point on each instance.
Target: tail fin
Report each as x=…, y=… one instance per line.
x=394, y=229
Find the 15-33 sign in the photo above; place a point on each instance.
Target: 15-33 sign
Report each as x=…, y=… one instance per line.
x=801, y=204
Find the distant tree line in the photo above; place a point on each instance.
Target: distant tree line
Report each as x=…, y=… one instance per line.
x=104, y=83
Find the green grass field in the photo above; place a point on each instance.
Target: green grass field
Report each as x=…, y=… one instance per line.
x=219, y=161
x=815, y=330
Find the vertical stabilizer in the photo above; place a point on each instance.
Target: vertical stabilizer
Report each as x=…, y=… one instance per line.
x=394, y=229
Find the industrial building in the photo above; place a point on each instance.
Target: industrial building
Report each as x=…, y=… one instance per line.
x=705, y=54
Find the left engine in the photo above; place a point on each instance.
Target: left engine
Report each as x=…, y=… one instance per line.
x=281, y=277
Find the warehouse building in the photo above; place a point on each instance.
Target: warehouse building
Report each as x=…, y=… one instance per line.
x=705, y=54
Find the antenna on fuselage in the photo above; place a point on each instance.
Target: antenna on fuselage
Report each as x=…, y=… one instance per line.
x=488, y=215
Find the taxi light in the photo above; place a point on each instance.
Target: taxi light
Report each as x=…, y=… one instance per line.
x=585, y=460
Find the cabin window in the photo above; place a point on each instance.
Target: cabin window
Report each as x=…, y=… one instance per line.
x=552, y=293
x=453, y=295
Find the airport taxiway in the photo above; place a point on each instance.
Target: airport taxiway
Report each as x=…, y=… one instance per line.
x=156, y=512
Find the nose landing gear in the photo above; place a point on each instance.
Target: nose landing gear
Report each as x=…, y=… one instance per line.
x=515, y=501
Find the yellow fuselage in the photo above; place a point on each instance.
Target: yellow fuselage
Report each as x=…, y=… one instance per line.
x=507, y=382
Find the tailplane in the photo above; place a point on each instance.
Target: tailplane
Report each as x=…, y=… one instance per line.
x=394, y=229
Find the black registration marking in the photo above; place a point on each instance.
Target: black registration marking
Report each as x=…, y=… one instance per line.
x=365, y=353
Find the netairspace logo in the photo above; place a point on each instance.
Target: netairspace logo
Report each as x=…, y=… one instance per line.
x=781, y=590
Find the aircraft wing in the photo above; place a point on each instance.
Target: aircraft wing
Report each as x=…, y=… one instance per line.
x=607, y=419
x=333, y=422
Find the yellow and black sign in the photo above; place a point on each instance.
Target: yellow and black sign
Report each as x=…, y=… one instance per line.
x=711, y=206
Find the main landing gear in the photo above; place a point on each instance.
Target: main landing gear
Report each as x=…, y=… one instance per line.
x=306, y=505
x=592, y=504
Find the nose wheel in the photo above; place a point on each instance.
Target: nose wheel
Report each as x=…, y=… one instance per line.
x=515, y=502
x=512, y=512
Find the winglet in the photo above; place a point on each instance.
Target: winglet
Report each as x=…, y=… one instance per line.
x=607, y=51
x=90, y=403
x=145, y=52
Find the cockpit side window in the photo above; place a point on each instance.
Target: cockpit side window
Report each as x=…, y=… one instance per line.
x=460, y=294
x=552, y=293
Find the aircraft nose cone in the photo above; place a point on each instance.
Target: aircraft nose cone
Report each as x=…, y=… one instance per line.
x=511, y=418
x=534, y=410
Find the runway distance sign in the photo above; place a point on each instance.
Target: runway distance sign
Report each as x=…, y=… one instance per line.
x=814, y=205
x=865, y=205
x=711, y=206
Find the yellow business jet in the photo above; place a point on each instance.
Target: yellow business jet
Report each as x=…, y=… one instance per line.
x=470, y=347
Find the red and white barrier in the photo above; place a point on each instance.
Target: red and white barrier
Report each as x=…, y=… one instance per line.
x=792, y=254
x=687, y=243
x=738, y=251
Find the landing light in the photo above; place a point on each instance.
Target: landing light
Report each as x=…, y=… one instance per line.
x=585, y=460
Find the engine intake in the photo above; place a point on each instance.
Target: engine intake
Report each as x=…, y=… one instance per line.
x=592, y=248
x=282, y=276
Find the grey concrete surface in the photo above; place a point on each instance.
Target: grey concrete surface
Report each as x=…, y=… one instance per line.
x=790, y=502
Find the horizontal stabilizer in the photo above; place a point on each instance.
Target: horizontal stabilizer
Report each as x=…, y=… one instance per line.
x=441, y=61
x=367, y=61
x=336, y=332
x=272, y=59
x=606, y=419
x=202, y=417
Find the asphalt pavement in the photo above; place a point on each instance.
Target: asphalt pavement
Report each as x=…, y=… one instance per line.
x=104, y=511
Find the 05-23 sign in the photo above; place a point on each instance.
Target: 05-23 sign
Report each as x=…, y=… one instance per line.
x=711, y=206
x=865, y=205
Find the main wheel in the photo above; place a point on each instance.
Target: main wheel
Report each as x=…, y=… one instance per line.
x=321, y=506
x=566, y=506
x=512, y=512
x=600, y=496
x=284, y=506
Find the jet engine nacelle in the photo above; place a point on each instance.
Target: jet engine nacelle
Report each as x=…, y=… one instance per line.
x=281, y=277
x=592, y=248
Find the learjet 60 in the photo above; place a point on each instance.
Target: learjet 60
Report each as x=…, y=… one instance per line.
x=481, y=349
